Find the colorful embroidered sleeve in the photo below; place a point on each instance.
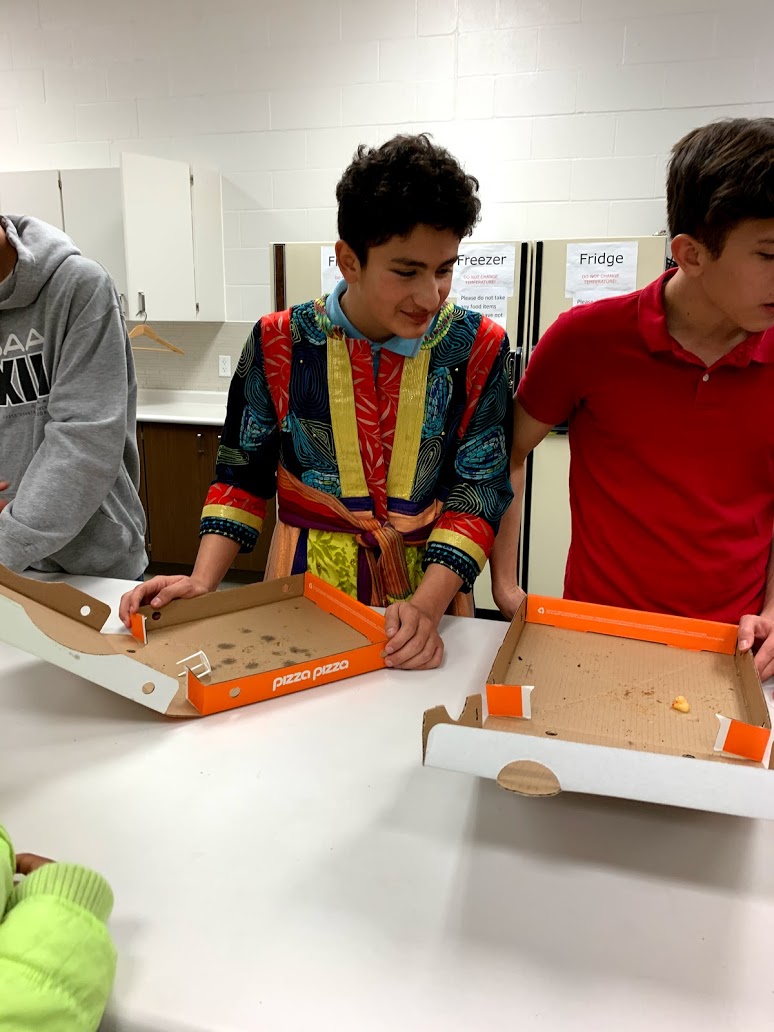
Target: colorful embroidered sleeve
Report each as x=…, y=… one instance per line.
x=246, y=470
x=475, y=478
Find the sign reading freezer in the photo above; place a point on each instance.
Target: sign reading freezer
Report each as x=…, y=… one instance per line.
x=483, y=277
x=600, y=270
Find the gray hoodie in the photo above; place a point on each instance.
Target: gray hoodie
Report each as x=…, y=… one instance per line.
x=68, y=400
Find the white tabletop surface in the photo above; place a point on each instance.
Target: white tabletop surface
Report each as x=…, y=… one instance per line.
x=206, y=408
x=291, y=866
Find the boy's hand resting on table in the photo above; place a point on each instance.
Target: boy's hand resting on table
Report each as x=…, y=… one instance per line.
x=158, y=591
x=415, y=643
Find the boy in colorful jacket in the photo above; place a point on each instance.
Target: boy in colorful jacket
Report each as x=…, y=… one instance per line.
x=57, y=960
x=377, y=415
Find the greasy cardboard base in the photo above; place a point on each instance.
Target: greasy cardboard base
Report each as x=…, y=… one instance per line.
x=288, y=632
x=612, y=691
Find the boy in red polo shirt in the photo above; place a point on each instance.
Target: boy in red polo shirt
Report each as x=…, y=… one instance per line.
x=669, y=394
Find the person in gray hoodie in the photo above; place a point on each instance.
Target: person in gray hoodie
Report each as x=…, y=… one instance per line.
x=69, y=467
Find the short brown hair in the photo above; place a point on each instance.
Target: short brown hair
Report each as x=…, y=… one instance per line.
x=720, y=175
x=387, y=191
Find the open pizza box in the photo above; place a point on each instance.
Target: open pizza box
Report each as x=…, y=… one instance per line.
x=202, y=655
x=579, y=699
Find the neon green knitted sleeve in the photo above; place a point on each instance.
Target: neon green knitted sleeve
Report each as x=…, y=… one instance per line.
x=57, y=960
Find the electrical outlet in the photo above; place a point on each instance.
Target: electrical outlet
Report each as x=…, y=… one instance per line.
x=224, y=365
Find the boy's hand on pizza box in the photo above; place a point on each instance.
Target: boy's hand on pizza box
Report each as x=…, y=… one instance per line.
x=759, y=630
x=415, y=643
x=158, y=591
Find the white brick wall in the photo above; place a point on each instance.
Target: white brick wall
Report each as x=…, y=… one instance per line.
x=565, y=109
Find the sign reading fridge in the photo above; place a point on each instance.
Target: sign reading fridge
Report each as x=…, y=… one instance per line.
x=599, y=270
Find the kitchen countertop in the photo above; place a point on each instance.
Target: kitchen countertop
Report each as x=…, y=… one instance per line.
x=166, y=406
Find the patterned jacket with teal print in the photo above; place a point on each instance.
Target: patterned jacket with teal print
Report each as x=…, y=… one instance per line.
x=420, y=449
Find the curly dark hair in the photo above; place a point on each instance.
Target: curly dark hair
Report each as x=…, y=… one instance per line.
x=408, y=181
x=720, y=175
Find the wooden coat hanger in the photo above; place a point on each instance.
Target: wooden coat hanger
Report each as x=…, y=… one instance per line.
x=147, y=331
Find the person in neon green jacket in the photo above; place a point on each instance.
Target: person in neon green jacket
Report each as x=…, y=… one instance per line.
x=57, y=960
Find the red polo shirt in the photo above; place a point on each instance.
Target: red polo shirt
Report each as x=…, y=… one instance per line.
x=672, y=462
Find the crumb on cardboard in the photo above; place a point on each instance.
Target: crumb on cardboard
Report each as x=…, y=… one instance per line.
x=681, y=704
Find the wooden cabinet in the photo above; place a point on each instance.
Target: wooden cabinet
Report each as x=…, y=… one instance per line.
x=155, y=225
x=178, y=463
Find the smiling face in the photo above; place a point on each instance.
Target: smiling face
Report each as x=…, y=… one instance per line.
x=739, y=282
x=402, y=285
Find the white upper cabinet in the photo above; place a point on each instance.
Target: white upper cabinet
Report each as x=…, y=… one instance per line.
x=155, y=225
x=158, y=235
x=93, y=218
x=32, y=193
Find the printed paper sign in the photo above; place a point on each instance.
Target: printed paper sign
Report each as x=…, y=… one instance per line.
x=329, y=270
x=484, y=269
x=604, y=269
x=585, y=297
x=493, y=305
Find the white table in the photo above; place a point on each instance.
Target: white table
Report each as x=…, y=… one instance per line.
x=291, y=866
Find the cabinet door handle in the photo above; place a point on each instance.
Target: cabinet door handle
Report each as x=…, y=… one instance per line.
x=200, y=442
x=141, y=303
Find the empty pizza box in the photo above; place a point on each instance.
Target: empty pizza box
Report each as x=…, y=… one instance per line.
x=579, y=699
x=201, y=655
